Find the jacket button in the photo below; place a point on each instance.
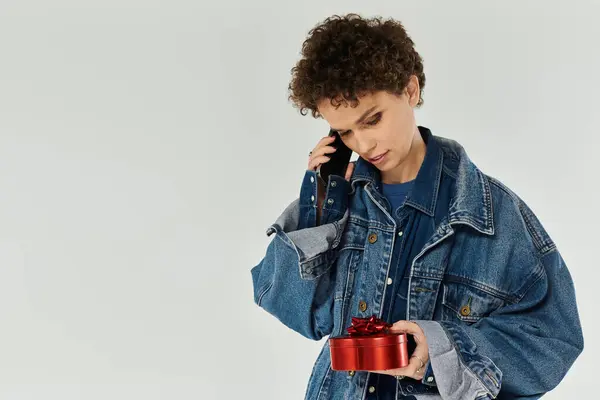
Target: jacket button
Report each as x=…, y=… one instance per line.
x=465, y=311
x=362, y=306
x=351, y=373
x=372, y=238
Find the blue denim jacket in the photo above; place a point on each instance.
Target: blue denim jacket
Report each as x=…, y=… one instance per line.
x=415, y=224
x=489, y=288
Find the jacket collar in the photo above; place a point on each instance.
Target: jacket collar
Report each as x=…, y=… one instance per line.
x=470, y=199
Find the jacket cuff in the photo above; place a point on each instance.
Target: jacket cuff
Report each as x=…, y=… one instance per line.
x=454, y=379
x=315, y=247
x=428, y=378
x=334, y=205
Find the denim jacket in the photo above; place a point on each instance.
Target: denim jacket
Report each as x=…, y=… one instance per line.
x=489, y=288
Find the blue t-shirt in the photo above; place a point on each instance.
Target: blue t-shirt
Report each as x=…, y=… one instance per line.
x=396, y=192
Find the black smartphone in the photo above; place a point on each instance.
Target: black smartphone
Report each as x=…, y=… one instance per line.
x=339, y=160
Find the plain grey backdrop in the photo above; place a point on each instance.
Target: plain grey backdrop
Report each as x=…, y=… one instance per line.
x=145, y=147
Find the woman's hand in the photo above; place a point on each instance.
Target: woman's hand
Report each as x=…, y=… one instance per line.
x=419, y=358
x=319, y=156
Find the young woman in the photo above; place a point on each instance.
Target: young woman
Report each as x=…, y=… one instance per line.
x=414, y=234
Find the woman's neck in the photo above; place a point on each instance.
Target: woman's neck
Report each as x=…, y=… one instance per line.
x=408, y=169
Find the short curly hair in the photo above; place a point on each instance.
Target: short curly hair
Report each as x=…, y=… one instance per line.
x=347, y=56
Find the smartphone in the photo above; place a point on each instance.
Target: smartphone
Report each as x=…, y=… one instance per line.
x=338, y=163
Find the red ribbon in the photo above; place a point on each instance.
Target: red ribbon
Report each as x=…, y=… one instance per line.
x=368, y=326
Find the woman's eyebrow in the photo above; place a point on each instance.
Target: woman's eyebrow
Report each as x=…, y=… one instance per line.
x=361, y=119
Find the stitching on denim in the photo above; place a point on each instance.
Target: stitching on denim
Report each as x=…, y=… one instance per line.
x=326, y=376
x=312, y=373
x=462, y=361
x=481, y=286
x=429, y=275
x=543, y=246
x=493, y=378
x=285, y=239
x=263, y=292
x=449, y=172
x=488, y=200
x=365, y=223
x=540, y=275
x=345, y=296
x=487, y=358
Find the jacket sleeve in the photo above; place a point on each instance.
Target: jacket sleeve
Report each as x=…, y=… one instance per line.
x=520, y=351
x=295, y=279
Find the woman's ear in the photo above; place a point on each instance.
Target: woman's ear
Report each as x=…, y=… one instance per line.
x=413, y=92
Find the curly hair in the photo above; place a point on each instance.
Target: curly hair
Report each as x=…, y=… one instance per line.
x=349, y=56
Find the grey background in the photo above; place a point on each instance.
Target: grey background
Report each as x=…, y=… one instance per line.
x=145, y=147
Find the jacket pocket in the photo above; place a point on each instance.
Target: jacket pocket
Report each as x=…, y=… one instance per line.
x=467, y=303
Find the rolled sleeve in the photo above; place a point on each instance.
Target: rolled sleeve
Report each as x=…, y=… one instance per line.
x=454, y=379
x=295, y=279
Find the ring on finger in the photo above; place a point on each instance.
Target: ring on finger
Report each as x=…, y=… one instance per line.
x=420, y=359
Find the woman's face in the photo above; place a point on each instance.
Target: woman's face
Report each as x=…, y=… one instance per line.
x=381, y=129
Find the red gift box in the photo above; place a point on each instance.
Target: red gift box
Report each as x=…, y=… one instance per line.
x=369, y=346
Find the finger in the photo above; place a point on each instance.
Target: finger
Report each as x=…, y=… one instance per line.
x=410, y=328
x=415, y=366
x=322, y=150
x=421, y=350
x=349, y=171
x=414, y=369
x=325, y=140
x=394, y=372
x=315, y=162
x=418, y=361
x=409, y=371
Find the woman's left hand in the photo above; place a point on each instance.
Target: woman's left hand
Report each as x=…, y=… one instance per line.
x=418, y=359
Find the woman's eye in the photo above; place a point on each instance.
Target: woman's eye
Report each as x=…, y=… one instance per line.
x=372, y=122
x=375, y=120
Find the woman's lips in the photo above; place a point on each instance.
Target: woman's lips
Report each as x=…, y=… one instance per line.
x=378, y=159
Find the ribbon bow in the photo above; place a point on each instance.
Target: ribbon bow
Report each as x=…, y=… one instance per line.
x=368, y=326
